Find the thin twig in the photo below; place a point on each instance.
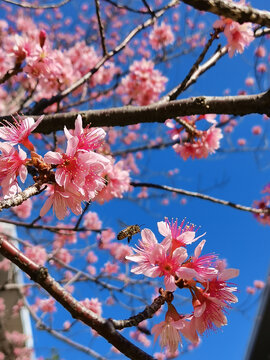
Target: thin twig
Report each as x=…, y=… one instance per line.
x=174, y=93
x=201, y=196
x=31, y=6
x=101, y=28
x=59, y=336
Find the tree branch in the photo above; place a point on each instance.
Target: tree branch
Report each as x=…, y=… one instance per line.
x=159, y=112
x=31, y=6
x=201, y=196
x=41, y=276
x=19, y=198
x=232, y=10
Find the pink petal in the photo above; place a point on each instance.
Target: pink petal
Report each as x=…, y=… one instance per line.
x=52, y=157
x=228, y=274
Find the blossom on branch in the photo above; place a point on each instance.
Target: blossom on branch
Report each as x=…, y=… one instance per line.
x=12, y=164
x=161, y=36
x=204, y=276
x=78, y=172
x=18, y=131
x=143, y=85
x=238, y=35
x=195, y=143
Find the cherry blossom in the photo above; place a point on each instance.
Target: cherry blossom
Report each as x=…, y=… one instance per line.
x=12, y=164
x=46, y=305
x=37, y=254
x=238, y=35
x=93, y=304
x=161, y=35
x=143, y=85
x=171, y=329
x=117, y=182
x=206, y=144
x=61, y=200
x=92, y=221
x=19, y=131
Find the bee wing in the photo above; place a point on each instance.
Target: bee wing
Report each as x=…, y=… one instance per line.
x=122, y=224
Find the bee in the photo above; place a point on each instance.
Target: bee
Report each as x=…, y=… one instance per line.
x=128, y=232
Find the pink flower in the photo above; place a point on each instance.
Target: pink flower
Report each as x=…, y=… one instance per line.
x=79, y=169
x=238, y=36
x=93, y=304
x=63, y=255
x=61, y=200
x=207, y=143
x=155, y=260
x=105, y=238
x=110, y=268
x=249, y=81
x=12, y=164
x=92, y=221
x=71, y=167
x=88, y=139
x=145, y=253
x=260, y=51
x=117, y=182
x=200, y=267
x=259, y=284
x=139, y=336
x=2, y=307
x=177, y=235
x=261, y=68
x=37, y=254
x=241, y=142
x=120, y=252
x=256, y=130
x=250, y=290
x=170, y=329
x=18, y=131
x=209, y=304
x=143, y=85
x=161, y=36
x=46, y=305
x=91, y=257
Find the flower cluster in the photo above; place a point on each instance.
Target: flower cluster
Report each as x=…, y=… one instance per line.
x=161, y=35
x=205, y=276
x=264, y=204
x=195, y=143
x=238, y=35
x=13, y=161
x=77, y=175
x=78, y=171
x=143, y=85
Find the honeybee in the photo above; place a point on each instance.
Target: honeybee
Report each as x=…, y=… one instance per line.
x=128, y=232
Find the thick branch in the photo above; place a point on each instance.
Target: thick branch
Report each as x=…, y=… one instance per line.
x=201, y=196
x=41, y=276
x=128, y=115
x=232, y=10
